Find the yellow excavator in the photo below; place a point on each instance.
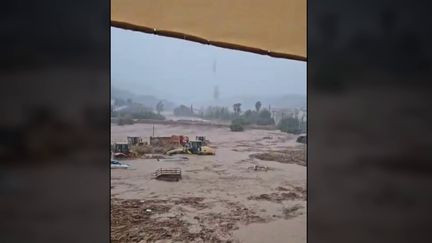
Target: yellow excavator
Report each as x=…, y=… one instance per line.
x=193, y=147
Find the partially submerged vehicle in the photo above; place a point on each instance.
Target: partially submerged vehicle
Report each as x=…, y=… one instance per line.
x=193, y=147
x=178, y=151
x=302, y=139
x=120, y=150
x=198, y=147
x=118, y=165
x=202, y=139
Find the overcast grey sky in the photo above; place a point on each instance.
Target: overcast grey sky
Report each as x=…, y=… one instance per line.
x=185, y=71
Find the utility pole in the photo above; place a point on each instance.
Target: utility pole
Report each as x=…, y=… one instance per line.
x=153, y=129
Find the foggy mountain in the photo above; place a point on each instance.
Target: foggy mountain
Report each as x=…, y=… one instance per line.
x=147, y=100
x=248, y=102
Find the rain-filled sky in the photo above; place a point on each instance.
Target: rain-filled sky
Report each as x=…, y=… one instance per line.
x=184, y=71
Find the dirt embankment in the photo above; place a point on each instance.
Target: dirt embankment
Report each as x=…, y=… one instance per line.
x=297, y=193
x=144, y=221
x=177, y=122
x=288, y=156
x=219, y=124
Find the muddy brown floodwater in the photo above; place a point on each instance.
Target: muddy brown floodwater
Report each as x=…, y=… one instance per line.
x=220, y=198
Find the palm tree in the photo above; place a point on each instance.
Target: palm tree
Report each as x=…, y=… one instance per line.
x=258, y=105
x=159, y=107
x=237, y=108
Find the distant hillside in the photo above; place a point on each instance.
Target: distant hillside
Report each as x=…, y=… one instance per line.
x=147, y=100
x=248, y=102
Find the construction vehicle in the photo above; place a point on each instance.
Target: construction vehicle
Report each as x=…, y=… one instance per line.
x=120, y=150
x=135, y=141
x=202, y=139
x=193, y=147
x=120, y=147
x=183, y=140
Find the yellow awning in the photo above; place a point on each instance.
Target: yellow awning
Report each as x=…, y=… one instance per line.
x=272, y=27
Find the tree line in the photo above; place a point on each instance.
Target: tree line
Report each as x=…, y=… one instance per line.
x=131, y=110
x=259, y=116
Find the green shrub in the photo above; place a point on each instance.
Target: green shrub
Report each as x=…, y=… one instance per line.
x=236, y=128
x=215, y=112
x=264, y=118
x=183, y=111
x=250, y=117
x=237, y=125
x=290, y=125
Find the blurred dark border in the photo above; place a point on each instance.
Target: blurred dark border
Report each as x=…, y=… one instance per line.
x=369, y=156
x=55, y=126
x=369, y=121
